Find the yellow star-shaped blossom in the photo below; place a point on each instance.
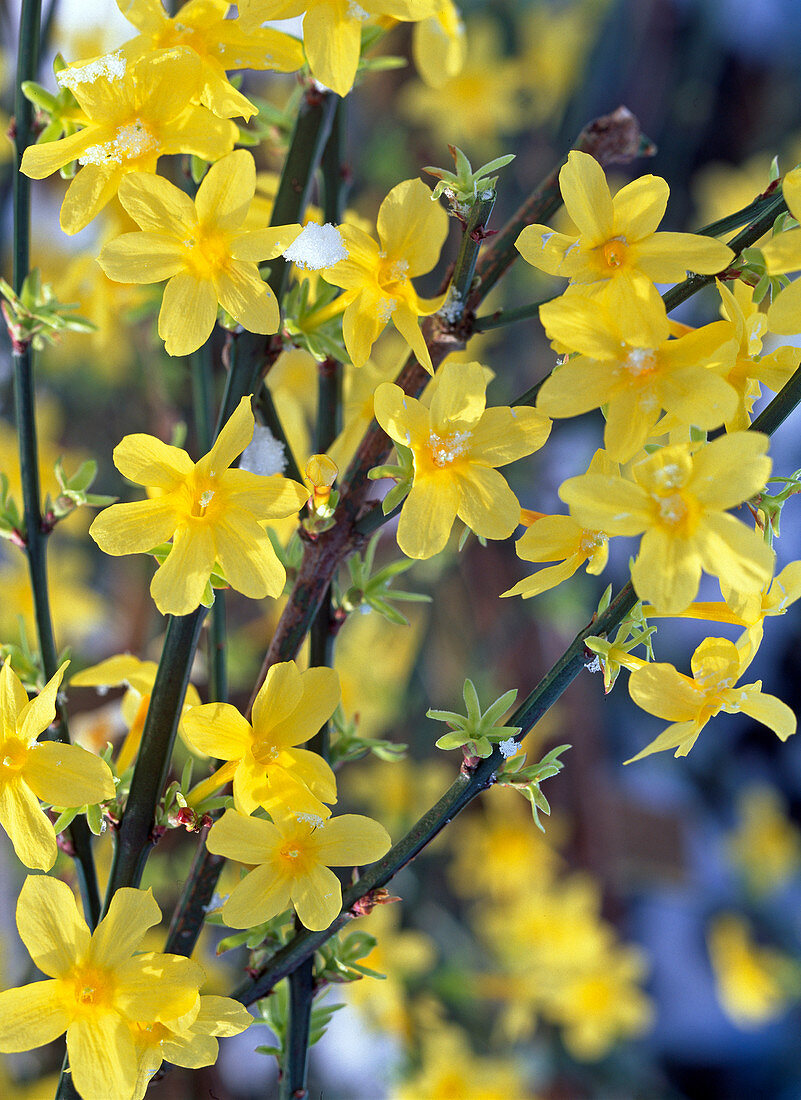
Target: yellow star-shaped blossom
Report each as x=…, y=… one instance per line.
x=202, y=249
x=292, y=858
x=63, y=775
x=678, y=499
x=97, y=987
x=617, y=239
x=457, y=445
x=133, y=113
x=376, y=277
x=212, y=513
x=220, y=44
x=689, y=702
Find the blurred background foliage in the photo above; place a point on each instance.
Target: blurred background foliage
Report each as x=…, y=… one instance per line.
x=649, y=944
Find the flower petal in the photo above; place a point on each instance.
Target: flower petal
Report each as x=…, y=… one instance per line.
x=411, y=227
x=187, y=315
x=260, y=895
x=178, y=584
x=278, y=699
x=226, y=191
x=50, y=925
x=427, y=516
x=586, y=197
x=218, y=730
x=459, y=395
x=102, y=1057
x=30, y=1017
x=130, y=914
x=156, y=205
x=134, y=528
x=67, y=775
x=28, y=826
x=321, y=695
x=142, y=258
x=487, y=505
x=317, y=897
x=241, y=291
x=350, y=840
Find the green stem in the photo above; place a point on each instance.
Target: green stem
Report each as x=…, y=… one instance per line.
x=333, y=167
x=744, y=239
x=252, y=353
x=467, y=257
x=503, y=317
x=740, y=217
x=292, y=1085
x=135, y=837
x=25, y=417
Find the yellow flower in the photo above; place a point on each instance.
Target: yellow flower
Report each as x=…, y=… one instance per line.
x=600, y=1006
x=203, y=250
x=135, y=112
x=754, y=984
x=679, y=499
x=765, y=846
x=438, y=45
x=751, y=368
x=782, y=256
x=689, y=702
x=628, y=363
x=96, y=986
x=479, y=103
x=450, y=1069
x=266, y=766
x=212, y=513
x=332, y=30
x=138, y=677
x=220, y=44
x=292, y=859
x=62, y=775
x=193, y=1045
x=457, y=445
x=617, y=239
x=562, y=539
x=376, y=277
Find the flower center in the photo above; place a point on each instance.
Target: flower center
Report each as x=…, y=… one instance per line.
x=208, y=252
x=132, y=141
x=15, y=753
x=640, y=361
x=614, y=252
x=93, y=987
x=590, y=541
x=445, y=449
x=673, y=510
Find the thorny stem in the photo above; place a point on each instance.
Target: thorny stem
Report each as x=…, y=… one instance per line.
x=25, y=416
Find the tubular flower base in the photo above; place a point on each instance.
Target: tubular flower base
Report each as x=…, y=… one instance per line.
x=212, y=513
x=98, y=990
x=457, y=445
x=62, y=775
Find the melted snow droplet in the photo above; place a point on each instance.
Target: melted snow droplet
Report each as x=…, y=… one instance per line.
x=318, y=246
x=385, y=308
x=206, y=498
